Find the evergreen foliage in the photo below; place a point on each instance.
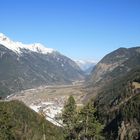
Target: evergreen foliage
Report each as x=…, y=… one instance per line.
x=91, y=127
x=68, y=117
x=81, y=124
x=117, y=103
x=18, y=122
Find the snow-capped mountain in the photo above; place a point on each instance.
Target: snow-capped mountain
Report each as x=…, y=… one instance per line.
x=86, y=65
x=28, y=66
x=17, y=47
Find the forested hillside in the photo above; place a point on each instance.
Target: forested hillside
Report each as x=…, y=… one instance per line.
x=18, y=122
x=118, y=107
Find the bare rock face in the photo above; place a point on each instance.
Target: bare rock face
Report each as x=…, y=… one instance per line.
x=128, y=130
x=122, y=131
x=102, y=69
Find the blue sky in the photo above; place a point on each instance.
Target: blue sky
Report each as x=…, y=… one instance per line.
x=80, y=29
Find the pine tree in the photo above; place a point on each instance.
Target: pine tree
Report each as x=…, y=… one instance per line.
x=81, y=125
x=68, y=118
x=91, y=128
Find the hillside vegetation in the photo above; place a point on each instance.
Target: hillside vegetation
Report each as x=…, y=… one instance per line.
x=115, y=86
x=118, y=107
x=18, y=122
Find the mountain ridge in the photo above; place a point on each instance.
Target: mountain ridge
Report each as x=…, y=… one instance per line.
x=119, y=61
x=18, y=46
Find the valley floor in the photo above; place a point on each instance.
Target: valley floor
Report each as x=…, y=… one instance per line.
x=50, y=99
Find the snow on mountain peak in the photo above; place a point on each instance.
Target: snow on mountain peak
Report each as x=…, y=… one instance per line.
x=85, y=64
x=18, y=46
x=2, y=35
x=37, y=47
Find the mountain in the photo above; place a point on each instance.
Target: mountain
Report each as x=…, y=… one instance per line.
x=86, y=65
x=18, y=122
x=114, y=84
x=115, y=64
x=28, y=66
x=89, y=70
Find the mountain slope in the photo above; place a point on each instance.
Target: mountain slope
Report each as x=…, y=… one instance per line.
x=118, y=107
x=28, y=66
x=115, y=64
x=18, y=122
x=115, y=86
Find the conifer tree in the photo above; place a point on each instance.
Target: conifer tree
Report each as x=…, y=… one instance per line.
x=91, y=128
x=68, y=118
x=81, y=125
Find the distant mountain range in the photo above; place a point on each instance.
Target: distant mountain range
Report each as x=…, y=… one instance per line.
x=28, y=66
x=86, y=65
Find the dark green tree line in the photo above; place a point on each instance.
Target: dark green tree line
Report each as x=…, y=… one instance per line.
x=81, y=124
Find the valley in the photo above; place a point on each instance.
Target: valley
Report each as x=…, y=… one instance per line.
x=50, y=99
x=56, y=90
